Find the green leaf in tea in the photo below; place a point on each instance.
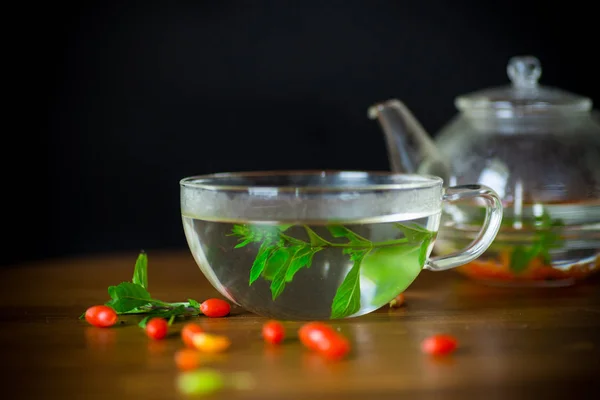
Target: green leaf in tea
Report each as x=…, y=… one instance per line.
x=521, y=257
x=315, y=240
x=347, y=298
x=280, y=256
x=256, y=234
x=278, y=275
x=302, y=258
x=415, y=233
x=278, y=260
x=424, y=250
x=291, y=261
x=546, y=239
x=393, y=268
x=260, y=262
x=340, y=231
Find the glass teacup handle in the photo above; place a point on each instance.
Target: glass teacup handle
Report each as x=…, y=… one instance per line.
x=486, y=235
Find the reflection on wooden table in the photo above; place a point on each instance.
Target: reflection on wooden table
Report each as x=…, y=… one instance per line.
x=514, y=343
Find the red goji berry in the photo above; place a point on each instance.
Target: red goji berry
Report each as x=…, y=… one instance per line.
x=439, y=344
x=273, y=332
x=157, y=328
x=323, y=338
x=334, y=347
x=312, y=333
x=101, y=316
x=215, y=308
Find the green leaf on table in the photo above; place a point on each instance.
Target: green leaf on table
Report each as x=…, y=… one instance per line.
x=347, y=297
x=194, y=304
x=140, y=271
x=127, y=296
x=179, y=311
x=134, y=298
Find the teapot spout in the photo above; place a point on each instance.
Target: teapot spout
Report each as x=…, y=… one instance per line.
x=410, y=150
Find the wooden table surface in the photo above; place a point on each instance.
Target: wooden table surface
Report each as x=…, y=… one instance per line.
x=514, y=343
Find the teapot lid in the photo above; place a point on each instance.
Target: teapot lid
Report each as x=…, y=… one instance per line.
x=524, y=94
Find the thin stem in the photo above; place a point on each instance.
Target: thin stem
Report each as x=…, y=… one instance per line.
x=358, y=236
x=292, y=239
x=318, y=241
x=167, y=307
x=371, y=245
x=326, y=243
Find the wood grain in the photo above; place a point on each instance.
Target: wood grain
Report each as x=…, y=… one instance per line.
x=514, y=343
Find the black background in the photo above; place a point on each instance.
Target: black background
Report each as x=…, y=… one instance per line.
x=125, y=98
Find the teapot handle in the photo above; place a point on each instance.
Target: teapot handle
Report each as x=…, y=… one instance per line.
x=485, y=237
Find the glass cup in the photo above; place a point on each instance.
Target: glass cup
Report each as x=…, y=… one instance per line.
x=308, y=245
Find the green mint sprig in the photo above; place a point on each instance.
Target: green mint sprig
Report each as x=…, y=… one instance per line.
x=134, y=298
x=280, y=256
x=545, y=239
x=546, y=236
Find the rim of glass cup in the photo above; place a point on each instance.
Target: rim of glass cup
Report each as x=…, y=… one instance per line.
x=397, y=181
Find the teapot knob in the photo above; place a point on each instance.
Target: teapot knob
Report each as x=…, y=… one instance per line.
x=524, y=71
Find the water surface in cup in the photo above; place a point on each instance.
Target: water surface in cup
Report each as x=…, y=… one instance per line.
x=317, y=271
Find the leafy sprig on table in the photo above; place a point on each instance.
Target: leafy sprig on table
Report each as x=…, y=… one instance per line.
x=134, y=298
x=280, y=256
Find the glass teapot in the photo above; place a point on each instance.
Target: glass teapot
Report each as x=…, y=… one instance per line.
x=539, y=148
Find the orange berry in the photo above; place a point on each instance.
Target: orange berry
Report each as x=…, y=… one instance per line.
x=210, y=343
x=187, y=359
x=188, y=331
x=398, y=301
